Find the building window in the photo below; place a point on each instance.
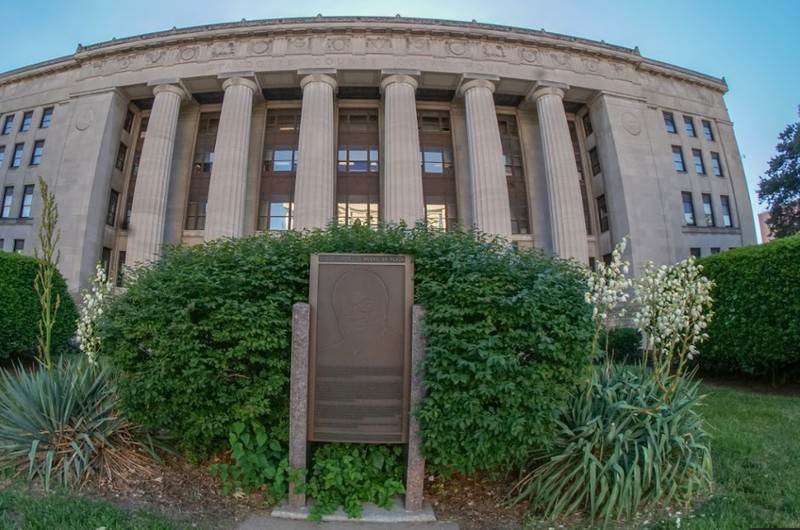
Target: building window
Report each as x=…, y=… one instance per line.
x=438, y=169
x=137, y=155
x=203, y=162
x=727, y=218
x=8, y=124
x=128, y=125
x=708, y=209
x=8, y=196
x=105, y=260
x=602, y=212
x=515, y=173
x=688, y=209
x=2, y=244
x=19, y=246
x=47, y=117
x=707, y=131
x=121, y=269
x=697, y=157
x=111, y=211
x=587, y=125
x=594, y=158
x=695, y=251
x=16, y=160
x=715, y=250
x=27, y=201
x=677, y=158
x=669, y=122
x=358, y=171
x=276, y=202
x=196, y=215
x=2, y=154
x=122, y=152
x=36, y=155
x=577, y=150
x=688, y=122
x=27, y=117
x=716, y=164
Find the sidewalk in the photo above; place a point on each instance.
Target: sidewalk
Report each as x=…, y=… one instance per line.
x=265, y=522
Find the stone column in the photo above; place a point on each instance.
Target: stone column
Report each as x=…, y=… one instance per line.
x=563, y=184
x=226, y=190
x=149, y=209
x=402, y=173
x=489, y=186
x=315, y=184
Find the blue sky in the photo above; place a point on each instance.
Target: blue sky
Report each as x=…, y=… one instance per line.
x=755, y=47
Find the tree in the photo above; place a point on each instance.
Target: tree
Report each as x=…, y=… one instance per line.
x=780, y=187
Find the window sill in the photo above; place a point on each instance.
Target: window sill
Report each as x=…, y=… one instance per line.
x=16, y=221
x=719, y=230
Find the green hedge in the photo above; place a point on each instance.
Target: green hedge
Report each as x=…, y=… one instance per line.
x=20, y=310
x=756, y=326
x=202, y=339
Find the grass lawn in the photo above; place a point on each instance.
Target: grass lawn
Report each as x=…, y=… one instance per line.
x=20, y=510
x=756, y=454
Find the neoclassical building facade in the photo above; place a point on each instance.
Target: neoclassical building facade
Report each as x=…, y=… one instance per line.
x=226, y=130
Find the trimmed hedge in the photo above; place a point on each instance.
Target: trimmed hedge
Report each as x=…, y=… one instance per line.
x=202, y=339
x=20, y=309
x=756, y=324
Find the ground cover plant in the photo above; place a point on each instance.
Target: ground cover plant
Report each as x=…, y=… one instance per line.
x=757, y=299
x=201, y=340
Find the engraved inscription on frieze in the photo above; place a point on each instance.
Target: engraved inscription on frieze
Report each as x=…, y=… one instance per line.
x=360, y=347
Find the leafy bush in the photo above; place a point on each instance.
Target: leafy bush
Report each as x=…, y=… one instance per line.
x=255, y=461
x=202, y=338
x=20, y=309
x=621, y=448
x=756, y=329
x=62, y=425
x=625, y=344
x=349, y=474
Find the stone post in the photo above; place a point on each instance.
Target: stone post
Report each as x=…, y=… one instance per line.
x=563, y=184
x=402, y=173
x=298, y=397
x=226, y=191
x=489, y=186
x=315, y=191
x=415, y=468
x=149, y=209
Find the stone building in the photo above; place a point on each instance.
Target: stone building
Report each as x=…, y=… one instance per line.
x=554, y=142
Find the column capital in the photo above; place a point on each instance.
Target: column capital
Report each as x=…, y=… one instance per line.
x=318, y=76
x=543, y=88
x=469, y=81
x=240, y=81
x=398, y=78
x=176, y=88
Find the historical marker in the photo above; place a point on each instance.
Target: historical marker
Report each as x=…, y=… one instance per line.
x=360, y=348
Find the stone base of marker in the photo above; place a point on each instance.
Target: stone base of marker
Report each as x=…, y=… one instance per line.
x=298, y=419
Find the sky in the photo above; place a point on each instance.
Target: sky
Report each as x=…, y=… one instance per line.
x=754, y=45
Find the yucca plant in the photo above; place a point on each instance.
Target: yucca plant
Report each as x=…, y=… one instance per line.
x=621, y=449
x=63, y=425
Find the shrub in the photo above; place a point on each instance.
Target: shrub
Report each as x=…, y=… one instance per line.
x=625, y=344
x=20, y=309
x=349, y=474
x=202, y=338
x=621, y=448
x=63, y=425
x=756, y=329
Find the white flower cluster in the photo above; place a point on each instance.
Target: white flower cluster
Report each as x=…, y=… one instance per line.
x=94, y=301
x=674, y=306
x=608, y=285
x=674, y=311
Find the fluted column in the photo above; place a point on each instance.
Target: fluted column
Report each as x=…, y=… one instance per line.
x=402, y=172
x=149, y=209
x=563, y=184
x=488, y=172
x=226, y=189
x=314, y=191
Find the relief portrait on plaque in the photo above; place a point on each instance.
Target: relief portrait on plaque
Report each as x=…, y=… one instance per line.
x=360, y=300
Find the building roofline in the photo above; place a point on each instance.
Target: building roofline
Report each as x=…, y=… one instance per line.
x=344, y=23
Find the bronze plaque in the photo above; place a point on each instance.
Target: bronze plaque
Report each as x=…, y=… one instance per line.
x=360, y=347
